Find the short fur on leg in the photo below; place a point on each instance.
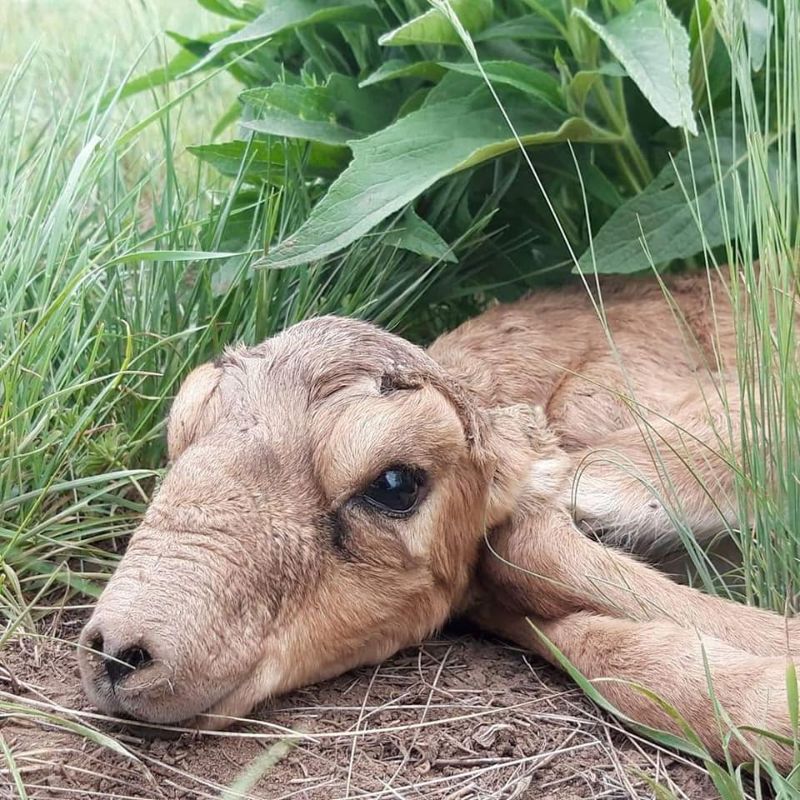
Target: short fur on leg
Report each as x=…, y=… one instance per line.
x=621, y=622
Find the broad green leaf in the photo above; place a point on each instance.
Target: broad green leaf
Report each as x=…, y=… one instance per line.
x=308, y=122
x=433, y=27
x=528, y=27
x=452, y=86
x=414, y=101
x=679, y=213
x=394, y=166
x=652, y=45
x=266, y=161
x=289, y=14
x=332, y=114
x=414, y=234
x=286, y=14
x=200, y=47
x=528, y=79
x=398, y=68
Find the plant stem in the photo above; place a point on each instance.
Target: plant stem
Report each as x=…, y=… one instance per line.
x=617, y=118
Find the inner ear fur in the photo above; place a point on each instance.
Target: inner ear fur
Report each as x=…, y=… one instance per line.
x=195, y=409
x=527, y=459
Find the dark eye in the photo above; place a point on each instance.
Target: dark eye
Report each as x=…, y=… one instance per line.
x=396, y=491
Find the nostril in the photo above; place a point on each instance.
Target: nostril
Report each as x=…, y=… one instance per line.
x=95, y=643
x=126, y=661
x=135, y=657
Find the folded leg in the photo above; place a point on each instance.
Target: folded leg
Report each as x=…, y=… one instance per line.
x=621, y=657
x=620, y=622
x=540, y=564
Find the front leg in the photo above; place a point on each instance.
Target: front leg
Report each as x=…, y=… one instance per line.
x=619, y=656
x=539, y=563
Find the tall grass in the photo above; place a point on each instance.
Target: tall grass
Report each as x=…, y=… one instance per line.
x=766, y=314
x=80, y=331
x=759, y=209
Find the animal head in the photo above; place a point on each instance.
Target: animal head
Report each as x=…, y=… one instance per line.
x=326, y=502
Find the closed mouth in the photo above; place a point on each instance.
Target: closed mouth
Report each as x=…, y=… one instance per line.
x=168, y=729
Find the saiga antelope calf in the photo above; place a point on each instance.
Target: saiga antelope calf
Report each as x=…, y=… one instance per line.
x=332, y=490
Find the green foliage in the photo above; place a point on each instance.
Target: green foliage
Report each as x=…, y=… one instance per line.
x=687, y=208
x=387, y=105
x=653, y=47
x=394, y=166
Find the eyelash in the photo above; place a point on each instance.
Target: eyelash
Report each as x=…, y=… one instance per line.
x=386, y=513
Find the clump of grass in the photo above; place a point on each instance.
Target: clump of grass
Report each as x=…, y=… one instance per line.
x=766, y=312
x=79, y=331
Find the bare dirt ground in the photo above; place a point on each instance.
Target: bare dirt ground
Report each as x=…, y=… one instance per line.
x=459, y=717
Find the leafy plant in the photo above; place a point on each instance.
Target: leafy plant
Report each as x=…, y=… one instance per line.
x=386, y=106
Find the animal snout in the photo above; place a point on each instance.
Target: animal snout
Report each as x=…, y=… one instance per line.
x=143, y=660
x=128, y=666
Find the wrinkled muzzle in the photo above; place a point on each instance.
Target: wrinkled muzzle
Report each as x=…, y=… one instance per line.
x=168, y=639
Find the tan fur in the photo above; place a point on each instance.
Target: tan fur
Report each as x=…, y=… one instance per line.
x=256, y=569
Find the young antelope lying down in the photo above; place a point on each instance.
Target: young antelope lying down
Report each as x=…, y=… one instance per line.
x=332, y=488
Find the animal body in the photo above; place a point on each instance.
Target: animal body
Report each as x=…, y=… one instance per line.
x=332, y=491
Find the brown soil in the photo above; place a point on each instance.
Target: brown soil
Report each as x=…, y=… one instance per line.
x=457, y=718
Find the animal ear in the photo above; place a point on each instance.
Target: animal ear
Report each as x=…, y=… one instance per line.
x=527, y=460
x=470, y=416
x=195, y=409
